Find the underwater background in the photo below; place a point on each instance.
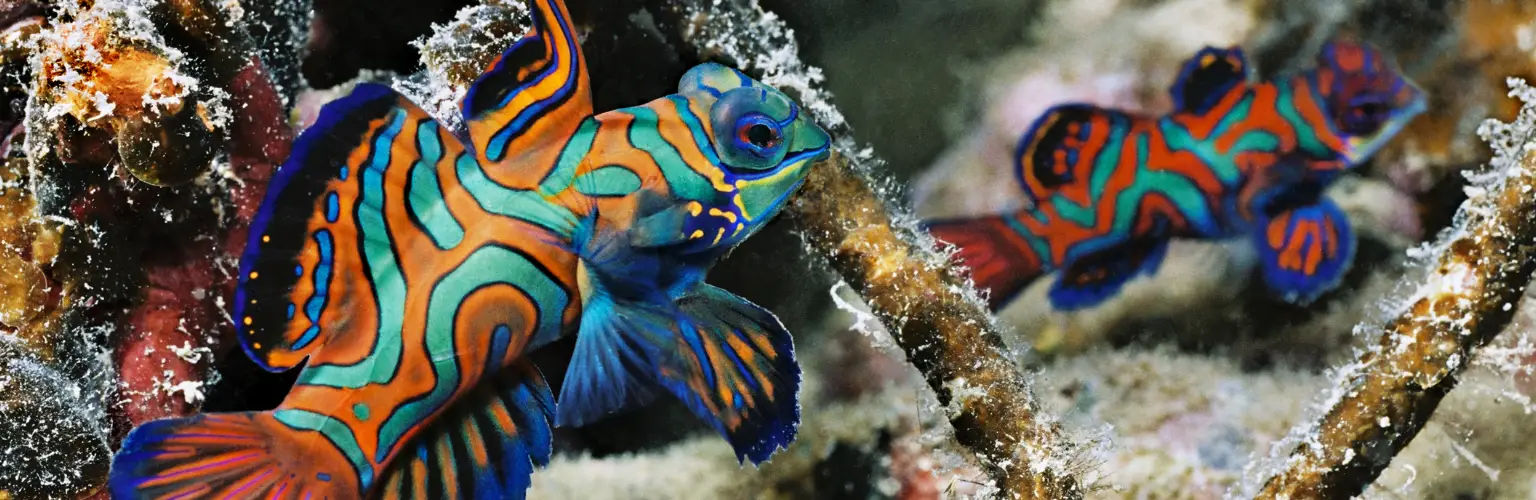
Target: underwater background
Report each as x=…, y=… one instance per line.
x=1189, y=382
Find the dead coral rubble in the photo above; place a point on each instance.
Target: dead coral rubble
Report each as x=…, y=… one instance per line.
x=1479, y=271
x=150, y=130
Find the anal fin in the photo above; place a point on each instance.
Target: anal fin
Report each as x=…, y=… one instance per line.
x=1305, y=250
x=1091, y=279
x=486, y=446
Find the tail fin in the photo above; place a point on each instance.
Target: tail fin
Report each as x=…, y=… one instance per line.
x=227, y=456
x=486, y=447
x=1000, y=258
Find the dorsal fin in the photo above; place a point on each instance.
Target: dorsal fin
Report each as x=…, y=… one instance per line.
x=535, y=94
x=350, y=215
x=1064, y=147
x=307, y=258
x=1207, y=77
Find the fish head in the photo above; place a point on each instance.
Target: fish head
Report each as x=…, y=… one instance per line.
x=1367, y=98
x=763, y=142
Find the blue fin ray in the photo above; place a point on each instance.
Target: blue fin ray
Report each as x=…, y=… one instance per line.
x=624, y=320
x=735, y=368
x=731, y=362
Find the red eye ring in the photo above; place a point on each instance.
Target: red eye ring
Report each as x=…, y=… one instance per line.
x=760, y=135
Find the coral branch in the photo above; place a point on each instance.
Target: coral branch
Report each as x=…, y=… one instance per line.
x=942, y=328
x=1478, y=272
x=934, y=314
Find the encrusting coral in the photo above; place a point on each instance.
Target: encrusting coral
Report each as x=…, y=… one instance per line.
x=126, y=97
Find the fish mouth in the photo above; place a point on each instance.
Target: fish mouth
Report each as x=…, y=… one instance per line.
x=1363, y=148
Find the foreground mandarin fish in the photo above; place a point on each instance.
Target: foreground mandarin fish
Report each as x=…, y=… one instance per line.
x=1107, y=189
x=415, y=269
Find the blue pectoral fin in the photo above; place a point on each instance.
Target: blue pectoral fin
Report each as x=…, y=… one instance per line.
x=734, y=366
x=1304, y=251
x=731, y=362
x=611, y=368
x=1094, y=278
x=728, y=360
x=624, y=323
x=485, y=447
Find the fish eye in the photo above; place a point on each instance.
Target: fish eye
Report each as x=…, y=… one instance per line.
x=749, y=129
x=758, y=134
x=1363, y=117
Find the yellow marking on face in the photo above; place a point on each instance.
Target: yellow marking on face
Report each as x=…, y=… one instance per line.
x=719, y=234
x=716, y=178
x=723, y=214
x=739, y=227
x=741, y=207
x=697, y=233
x=695, y=208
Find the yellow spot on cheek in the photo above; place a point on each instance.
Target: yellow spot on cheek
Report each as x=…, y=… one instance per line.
x=697, y=233
x=695, y=208
x=739, y=227
x=723, y=214
x=719, y=234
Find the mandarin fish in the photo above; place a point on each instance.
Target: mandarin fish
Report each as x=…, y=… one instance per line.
x=410, y=269
x=1106, y=189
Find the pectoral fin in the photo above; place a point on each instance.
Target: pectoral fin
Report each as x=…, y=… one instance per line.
x=1305, y=251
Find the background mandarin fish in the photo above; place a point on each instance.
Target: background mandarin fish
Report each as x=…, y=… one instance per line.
x=414, y=270
x=1107, y=189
